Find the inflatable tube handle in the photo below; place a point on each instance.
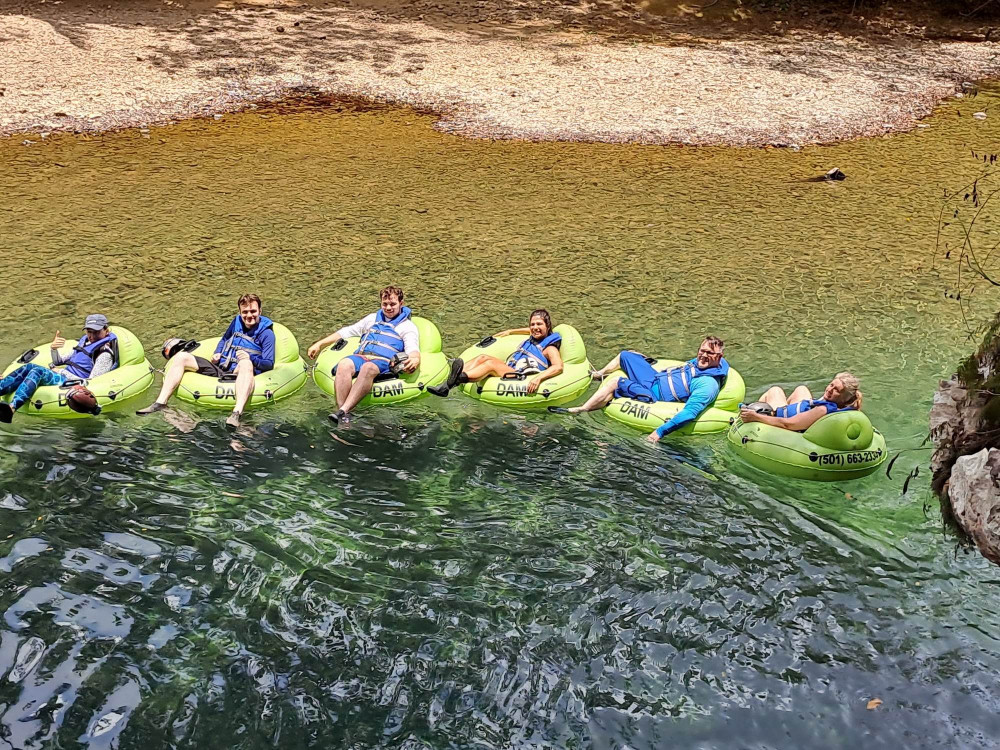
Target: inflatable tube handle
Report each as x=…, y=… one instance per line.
x=339, y=345
x=227, y=377
x=488, y=341
x=513, y=376
x=27, y=356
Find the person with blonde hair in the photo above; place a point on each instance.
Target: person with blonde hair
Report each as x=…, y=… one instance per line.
x=799, y=411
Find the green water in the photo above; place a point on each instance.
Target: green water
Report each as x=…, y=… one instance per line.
x=445, y=574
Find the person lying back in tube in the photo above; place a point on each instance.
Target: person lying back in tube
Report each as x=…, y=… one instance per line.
x=388, y=337
x=799, y=411
x=697, y=383
x=538, y=355
x=246, y=349
x=95, y=354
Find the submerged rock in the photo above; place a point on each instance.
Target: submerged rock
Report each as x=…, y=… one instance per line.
x=834, y=175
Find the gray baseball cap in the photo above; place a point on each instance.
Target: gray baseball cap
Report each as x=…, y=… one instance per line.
x=96, y=322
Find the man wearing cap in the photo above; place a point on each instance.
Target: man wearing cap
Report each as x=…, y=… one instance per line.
x=94, y=354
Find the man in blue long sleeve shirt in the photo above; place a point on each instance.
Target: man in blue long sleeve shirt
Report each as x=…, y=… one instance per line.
x=697, y=383
x=245, y=349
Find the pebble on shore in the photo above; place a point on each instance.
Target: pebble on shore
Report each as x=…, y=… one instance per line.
x=164, y=65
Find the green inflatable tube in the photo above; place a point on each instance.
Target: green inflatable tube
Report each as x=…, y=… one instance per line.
x=287, y=376
x=842, y=445
x=648, y=417
x=512, y=392
x=133, y=375
x=389, y=389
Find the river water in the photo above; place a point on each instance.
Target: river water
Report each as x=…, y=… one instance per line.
x=445, y=574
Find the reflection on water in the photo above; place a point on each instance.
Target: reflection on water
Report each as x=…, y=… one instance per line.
x=454, y=576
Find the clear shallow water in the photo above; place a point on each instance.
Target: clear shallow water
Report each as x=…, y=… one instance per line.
x=447, y=575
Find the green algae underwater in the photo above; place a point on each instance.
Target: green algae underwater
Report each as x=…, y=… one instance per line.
x=445, y=574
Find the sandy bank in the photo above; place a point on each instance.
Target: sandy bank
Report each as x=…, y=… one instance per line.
x=73, y=66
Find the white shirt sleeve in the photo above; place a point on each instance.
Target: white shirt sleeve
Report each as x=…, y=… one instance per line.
x=410, y=335
x=359, y=329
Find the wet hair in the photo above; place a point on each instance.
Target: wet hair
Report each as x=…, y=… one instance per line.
x=391, y=291
x=715, y=341
x=544, y=315
x=246, y=299
x=851, y=395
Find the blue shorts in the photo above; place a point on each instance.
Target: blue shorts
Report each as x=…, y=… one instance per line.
x=358, y=360
x=640, y=378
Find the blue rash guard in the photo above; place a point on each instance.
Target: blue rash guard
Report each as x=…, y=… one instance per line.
x=703, y=392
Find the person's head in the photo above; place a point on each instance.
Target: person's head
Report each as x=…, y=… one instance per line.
x=710, y=352
x=540, y=324
x=249, y=305
x=96, y=327
x=844, y=390
x=392, y=301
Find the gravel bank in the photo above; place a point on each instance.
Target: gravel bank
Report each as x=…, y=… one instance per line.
x=77, y=67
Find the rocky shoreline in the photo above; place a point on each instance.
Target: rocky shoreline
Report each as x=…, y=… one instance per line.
x=76, y=66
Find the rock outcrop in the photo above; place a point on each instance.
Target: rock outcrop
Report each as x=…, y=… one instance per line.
x=954, y=423
x=965, y=466
x=974, y=492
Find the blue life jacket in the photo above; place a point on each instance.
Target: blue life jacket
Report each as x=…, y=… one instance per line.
x=800, y=407
x=81, y=362
x=532, y=355
x=674, y=384
x=382, y=341
x=240, y=339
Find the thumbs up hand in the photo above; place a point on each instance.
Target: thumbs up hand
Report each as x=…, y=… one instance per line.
x=58, y=342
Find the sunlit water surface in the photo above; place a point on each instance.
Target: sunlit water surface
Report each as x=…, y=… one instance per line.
x=445, y=574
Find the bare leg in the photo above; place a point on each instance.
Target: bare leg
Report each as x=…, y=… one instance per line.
x=614, y=364
x=484, y=365
x=775, y=397
x=343, y=381
x=176, y=367
x=600, y=399
x=244, y=385
x=801, y=393
x=362, y=386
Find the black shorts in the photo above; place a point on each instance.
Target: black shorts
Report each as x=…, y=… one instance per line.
x=209, y=368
